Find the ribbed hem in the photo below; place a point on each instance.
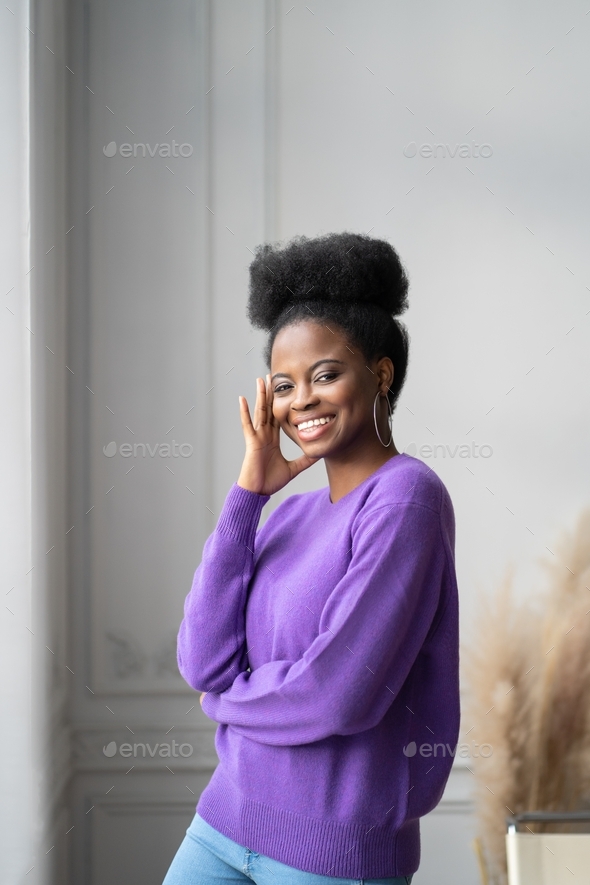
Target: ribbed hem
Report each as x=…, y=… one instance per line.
x=240, y=514
x=326, y=848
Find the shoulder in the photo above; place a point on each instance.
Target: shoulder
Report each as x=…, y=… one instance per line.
x=407, y=480
x=409, y=492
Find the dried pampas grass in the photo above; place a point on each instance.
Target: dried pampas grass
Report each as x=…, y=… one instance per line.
x=527, y=681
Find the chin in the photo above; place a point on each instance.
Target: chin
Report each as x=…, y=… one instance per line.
x=317, y=450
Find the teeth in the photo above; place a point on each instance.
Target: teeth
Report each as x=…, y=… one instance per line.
x=308, y=424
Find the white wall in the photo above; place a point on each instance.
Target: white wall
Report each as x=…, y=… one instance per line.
x=19, y=750
x=488, y=299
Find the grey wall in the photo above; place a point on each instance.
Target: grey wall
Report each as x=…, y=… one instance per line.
x=141, y=345
x=35, y=682
x=299, y=119
x=159, y=338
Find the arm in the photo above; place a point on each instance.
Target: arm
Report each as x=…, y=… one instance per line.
x=371, y=630
x=211, y=647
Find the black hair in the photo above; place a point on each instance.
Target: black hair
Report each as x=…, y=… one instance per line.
x=353, y=280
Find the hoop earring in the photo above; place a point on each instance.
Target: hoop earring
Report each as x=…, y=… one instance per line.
x=389, y=414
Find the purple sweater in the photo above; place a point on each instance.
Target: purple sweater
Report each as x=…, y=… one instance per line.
x=347, y=616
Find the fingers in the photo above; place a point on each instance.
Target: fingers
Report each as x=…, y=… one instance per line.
x=245, y=416
x=251, y=425
x=269, y=401
x=260, y=412
x=263, y=413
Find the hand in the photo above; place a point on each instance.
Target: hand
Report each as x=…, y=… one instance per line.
x=265, y=469
x=203, y=693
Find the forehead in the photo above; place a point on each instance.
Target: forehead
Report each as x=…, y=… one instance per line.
x=299, y=344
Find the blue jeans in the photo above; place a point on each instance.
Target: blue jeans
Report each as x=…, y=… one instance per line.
x=207, y=857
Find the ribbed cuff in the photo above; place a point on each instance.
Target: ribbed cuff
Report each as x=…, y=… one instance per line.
x=240, y=514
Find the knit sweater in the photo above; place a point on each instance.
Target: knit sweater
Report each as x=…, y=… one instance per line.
x=327, y=643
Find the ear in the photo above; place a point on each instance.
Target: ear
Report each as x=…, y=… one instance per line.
x=385, y=372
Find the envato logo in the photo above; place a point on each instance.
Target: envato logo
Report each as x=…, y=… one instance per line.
x=469, y=750
x=147, y=150
x=135, y=750
x=164, y=450
x=432, y=151
x=439, y=451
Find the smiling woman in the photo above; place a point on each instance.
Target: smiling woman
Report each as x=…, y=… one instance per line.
x=335, y=349
x=325, y=642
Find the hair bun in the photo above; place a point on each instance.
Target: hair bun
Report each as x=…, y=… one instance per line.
x=337, y=267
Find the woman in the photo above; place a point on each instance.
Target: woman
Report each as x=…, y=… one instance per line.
x=325, y=644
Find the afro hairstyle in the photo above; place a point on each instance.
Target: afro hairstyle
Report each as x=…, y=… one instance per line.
x=353, y=280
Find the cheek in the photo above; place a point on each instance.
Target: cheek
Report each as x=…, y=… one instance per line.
x=351, y=402
x=280, y=415
x=346, y=396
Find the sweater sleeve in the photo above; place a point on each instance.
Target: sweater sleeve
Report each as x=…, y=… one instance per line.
x=371, y=630
x=211, y=647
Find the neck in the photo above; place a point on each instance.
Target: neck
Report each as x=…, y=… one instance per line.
x=348, y=470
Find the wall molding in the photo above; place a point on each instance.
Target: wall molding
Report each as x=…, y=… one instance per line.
x=129, y=803
x=107, y=668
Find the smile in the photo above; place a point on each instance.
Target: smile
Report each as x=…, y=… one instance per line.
x=313, y=429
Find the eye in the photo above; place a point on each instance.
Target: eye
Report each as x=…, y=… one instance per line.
x=328, y=375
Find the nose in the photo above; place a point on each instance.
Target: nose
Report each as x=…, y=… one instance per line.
x=304, y=398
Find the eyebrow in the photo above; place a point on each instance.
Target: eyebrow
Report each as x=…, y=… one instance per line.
x=311, y=368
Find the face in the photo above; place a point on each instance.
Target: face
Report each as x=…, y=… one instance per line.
x=317, y=373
